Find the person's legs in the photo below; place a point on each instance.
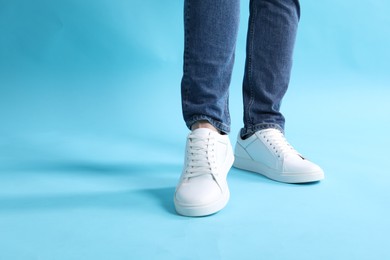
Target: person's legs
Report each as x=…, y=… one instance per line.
x=210, y=38
x=270, y=42
x=261, y=146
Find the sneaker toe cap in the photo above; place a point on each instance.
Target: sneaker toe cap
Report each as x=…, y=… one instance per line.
x=300, y=165
x=198, y=191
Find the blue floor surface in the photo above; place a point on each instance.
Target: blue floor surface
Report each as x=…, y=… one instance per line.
x=77, y=189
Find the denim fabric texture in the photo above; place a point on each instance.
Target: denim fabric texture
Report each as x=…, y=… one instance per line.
x=211, y=28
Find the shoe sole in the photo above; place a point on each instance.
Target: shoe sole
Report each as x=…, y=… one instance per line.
x=203, y=210
x=249, y=165
x=210, y=208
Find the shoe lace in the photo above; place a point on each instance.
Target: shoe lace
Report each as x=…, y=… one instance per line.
x=201, y=158
x=278, y=142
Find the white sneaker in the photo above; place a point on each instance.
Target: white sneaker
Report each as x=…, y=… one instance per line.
x=203, y=189
x=267, y=152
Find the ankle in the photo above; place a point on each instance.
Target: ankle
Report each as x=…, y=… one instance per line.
x=204, y=124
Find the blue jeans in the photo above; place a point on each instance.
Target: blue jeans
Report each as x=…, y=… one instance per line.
x=210, y=39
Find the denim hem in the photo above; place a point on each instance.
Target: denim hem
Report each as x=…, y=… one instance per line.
x=223, y=128
x=248, y=131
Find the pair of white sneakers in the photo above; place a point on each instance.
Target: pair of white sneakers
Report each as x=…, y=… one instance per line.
x=203, y=190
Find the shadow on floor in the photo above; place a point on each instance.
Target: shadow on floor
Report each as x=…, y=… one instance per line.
x=150, y=187
x=134, y=201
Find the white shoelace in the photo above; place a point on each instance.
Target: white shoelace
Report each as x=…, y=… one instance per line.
x=200, y=156
x=277, y=141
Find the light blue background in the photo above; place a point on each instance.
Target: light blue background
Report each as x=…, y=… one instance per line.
x=91, y=137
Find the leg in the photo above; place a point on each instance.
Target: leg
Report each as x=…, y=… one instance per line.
x=270, y=42
x=261, y=146
x=210, y=37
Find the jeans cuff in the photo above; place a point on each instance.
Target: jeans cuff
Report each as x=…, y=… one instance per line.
x=250, y=130
x=223, y=128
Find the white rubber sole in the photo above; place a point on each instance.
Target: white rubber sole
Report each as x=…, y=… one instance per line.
x=202, y=210
x=253, y=166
